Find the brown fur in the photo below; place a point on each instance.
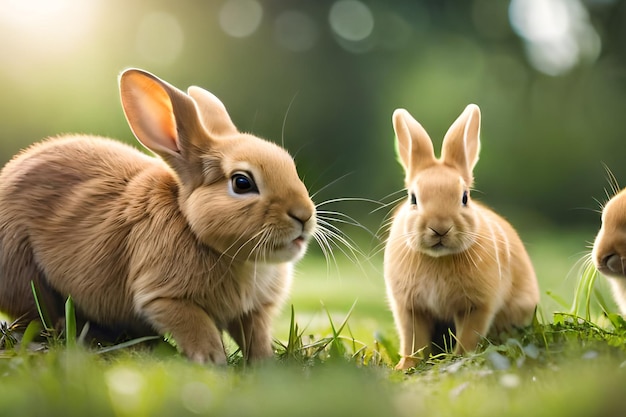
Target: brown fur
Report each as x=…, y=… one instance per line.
x=446, y=261
x=146, y=244
x=609, y=248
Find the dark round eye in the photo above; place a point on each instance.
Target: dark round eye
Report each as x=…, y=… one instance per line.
x=465, y=197
x=413, y=199
x=243, y=183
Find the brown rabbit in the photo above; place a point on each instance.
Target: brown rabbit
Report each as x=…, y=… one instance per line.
x=449, y=258
x=609, y=248
x=200, y=240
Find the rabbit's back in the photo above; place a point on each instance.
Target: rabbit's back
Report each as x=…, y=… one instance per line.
x=55, y=172
x=63, y=217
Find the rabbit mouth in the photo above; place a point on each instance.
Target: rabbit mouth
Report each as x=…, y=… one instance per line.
x=300, y=241
x=439, y=247
x=290, y=250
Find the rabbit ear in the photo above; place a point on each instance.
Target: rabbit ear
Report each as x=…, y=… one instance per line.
x=461, y=145
x=163, y=118
x=414, y=145
x=212, y=112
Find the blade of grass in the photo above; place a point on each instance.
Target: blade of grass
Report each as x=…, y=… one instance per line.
x=388, y=346
x=32, y=331
x=294, y=341
x=584, y=291
x=343, y=323
x=591, y=280
x=42, y=314
x=293, y=348
x=560, y=300
x=127, y=344
x=336, y=346
x=70, y=323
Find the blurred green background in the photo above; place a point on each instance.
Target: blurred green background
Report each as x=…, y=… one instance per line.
x=323, y=77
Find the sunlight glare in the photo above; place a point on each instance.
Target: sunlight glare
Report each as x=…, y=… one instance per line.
x=44, y=25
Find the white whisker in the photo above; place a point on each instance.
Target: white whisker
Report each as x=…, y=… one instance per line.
x=613, y=183
x=391, y=203
x=343, y=199
x=282, y=130
x=313, y=195
x=336, y=236
x=342, y=218
x=326, y=249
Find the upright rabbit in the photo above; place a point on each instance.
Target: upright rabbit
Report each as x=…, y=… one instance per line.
x=609, y=248
x=200, y=240
x=449, y=258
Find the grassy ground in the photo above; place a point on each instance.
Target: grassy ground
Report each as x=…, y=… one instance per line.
x=334, y=357
x=320, y=286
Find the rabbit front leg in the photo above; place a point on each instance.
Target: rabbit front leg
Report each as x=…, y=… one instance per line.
x=195, y=333
x=252, y=333
x=415, y=329
x=471, y=326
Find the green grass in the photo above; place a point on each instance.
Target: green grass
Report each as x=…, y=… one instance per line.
x=335, y=350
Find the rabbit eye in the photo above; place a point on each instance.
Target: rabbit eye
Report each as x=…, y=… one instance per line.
x=243, y=183
x=413, y=198
x=465, y=197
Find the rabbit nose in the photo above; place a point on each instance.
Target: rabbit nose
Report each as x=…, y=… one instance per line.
x=301, y=214
x=440, y=231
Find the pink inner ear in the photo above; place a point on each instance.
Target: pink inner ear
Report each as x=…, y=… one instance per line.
x=150, y=113
x=167, y=124
x=157, y=104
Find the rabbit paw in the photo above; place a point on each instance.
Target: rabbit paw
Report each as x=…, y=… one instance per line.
x=407, y=362
x=217, y=357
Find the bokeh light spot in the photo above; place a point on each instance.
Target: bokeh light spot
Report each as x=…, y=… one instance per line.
x=126, y=386
x=196, y=397
x=240, y=18
x=352, y=20
x=540, y=20
x=558, y=33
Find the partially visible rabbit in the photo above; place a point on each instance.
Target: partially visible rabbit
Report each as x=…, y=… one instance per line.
x=200, y=240
x=449, y=258
x=609, y=248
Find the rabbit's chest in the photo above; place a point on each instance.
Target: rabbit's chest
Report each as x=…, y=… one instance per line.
x=258, y=285
x=448, y=291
